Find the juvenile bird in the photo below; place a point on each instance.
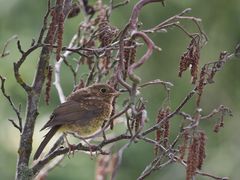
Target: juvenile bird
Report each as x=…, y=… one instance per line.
x=83, y=113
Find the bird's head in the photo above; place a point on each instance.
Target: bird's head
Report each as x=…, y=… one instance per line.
x=98, y=91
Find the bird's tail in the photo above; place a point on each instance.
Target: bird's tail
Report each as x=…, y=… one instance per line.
x=46, y=139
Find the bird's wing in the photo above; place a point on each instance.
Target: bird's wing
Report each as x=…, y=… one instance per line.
x=72, y=112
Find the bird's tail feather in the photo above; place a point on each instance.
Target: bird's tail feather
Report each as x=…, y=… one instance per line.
x=45, y=141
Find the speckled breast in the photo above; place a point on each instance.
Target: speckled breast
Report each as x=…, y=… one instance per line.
x=92, y=126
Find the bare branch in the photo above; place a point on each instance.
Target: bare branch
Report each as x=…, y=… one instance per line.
x=4, y=51
x=155, y=127
x=20, y=47
x=51, y=165
x=15, y=125
x=44, y=27
x=57, y=66
x=136, y=10
x=200, y=172
x=17, y=111
x=25, y=146
x=144, y=58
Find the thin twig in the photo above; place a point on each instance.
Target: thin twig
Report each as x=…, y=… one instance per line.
x=200, y=172
x=17, y=111
x=4, y=51
x=155, y=127
x=44, y=27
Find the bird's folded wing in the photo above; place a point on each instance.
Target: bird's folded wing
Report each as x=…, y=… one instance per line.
x=72, y=112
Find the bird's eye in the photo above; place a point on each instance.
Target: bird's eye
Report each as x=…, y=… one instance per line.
x=103, y=90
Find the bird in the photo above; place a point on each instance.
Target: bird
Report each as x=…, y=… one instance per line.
x=83, y=113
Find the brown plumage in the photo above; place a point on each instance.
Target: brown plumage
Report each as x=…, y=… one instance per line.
x=83, y=113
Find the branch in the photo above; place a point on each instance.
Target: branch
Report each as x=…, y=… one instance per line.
x=36, y=168
x=132, y=27
x=152, y=167
x=25, y=147
x=145, y=57
x=45, y=20
x=114, y=6
x=4, y=51
x=114, y=58
x=46, y=169
x=166, y=84
x=136, y=11
x=57, y=66
x=220, y=109
x=19, y=63
x=155, y=127
x=177, y=159
x=17, y=111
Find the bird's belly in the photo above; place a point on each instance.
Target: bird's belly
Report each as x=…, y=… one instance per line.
x=89, y=128
x=84, y=130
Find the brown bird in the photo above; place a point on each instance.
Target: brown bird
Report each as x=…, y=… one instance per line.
x=83, y=113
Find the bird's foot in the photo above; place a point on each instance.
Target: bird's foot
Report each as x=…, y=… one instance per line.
x=91, y=150
x=71, y=149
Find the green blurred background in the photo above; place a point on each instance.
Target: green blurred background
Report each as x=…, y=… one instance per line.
x=221, y=22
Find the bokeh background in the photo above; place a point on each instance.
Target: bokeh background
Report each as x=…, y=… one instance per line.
x=221, y=22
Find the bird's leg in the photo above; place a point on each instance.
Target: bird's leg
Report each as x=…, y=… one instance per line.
x=86, y=142
x=70, y=146
x=89, y=145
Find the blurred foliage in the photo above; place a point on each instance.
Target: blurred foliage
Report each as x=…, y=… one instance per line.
x=221, y=22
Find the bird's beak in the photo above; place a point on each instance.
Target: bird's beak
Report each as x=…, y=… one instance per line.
x=116, y=93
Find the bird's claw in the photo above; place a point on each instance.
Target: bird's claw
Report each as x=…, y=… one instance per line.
x=71, y=149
